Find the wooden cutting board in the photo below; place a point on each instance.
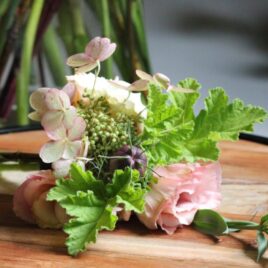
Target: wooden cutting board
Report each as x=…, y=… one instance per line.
x=245, y=196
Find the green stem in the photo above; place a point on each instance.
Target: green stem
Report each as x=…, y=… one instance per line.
x=23, y=77
x=7, y=18
x=65, y=29
x=243, y=225
x=53, y=56
x=107, y=69
x=138, y=23
x=80, y=37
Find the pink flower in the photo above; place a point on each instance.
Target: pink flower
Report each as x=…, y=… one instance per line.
x=181, y=190
x=37, y=102
x=144, y=79
x=52, y=107
x=66, y=142
x=97, y=50
x=59, y=110
x=30, y=203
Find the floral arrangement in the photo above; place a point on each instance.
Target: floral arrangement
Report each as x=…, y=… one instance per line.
x=118, y=149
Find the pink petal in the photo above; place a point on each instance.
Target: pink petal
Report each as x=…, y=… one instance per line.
x=69, y=89
x=44, y=212
x=69, y=117
x=79, y=60
x=107, y=52
x=77, y=130
x=28, y=191
x=40, y=183
x=168, y=223
x=65, y=99
x=154, y=204
x=57, y=99
x=72, y=150
x=100, y=48
x=52, y=120
x=139, y=85
x=60, y=213
x=143, y=75
x=86, y=68
x=37, y=99
x=57, y=134
x=162, y=79
x=52, y=151
x=20, y=206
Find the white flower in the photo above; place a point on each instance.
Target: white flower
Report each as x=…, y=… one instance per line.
x=119, y=98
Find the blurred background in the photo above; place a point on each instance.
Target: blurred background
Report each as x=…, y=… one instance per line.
x=220, y=43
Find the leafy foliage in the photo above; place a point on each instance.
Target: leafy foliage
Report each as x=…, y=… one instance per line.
x=173, y=133
x=91, y=203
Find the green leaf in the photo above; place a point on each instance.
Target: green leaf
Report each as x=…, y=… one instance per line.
x=262, y=244
x=90, y=203
x=90, y=216
x=172, y=133
x=223, y=121
x=264, y=220
x=126, y=191
x=209, y=222
x=79, y=181
x=190, y=83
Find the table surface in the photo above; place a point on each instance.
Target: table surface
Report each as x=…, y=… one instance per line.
x=245, y=196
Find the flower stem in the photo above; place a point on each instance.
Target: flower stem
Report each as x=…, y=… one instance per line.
x=53, y=57
x=23, y=77
x=106, y=31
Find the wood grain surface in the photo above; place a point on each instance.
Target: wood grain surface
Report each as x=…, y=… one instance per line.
x=245, y=196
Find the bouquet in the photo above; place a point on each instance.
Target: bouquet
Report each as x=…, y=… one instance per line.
x=118, y=149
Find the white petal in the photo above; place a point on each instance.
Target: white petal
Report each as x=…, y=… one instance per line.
x=52, y=120
x=72, y=149
x=69, y=89
x=57, y=133
x=69, y=117
x=53, y=99
x=35, y=116
x=61, y=167
x=65, y=99
x=77, y=130
x=52, y=151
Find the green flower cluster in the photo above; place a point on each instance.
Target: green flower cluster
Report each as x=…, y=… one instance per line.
x=106, y=130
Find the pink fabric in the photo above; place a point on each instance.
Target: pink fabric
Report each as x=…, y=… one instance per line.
x=181, y=190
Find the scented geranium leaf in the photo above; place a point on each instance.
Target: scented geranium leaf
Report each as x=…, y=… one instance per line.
x=90, y=215
x=79, y=181
x=223, y=121
x=190, y=83
x=262, y=244
x=127, y=190
x=185, y=102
